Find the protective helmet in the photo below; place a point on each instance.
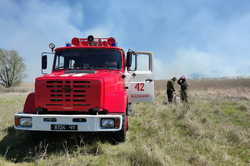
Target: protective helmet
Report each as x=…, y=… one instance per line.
x=174, y=79
x=183, y=77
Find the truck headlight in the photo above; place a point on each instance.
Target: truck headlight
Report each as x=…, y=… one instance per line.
x=107, y=123
x=23, y=121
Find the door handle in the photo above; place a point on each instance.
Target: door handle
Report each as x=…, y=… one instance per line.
x=148, y=80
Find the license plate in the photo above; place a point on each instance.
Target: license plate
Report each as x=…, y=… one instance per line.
x=63, y=127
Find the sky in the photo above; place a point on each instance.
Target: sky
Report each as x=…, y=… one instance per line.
x=207, y=38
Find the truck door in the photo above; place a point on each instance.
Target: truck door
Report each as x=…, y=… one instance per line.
x=140, y=80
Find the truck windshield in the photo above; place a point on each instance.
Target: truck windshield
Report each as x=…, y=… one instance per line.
x=88, y=58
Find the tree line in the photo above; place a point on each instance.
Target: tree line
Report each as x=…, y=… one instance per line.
x=12, y=68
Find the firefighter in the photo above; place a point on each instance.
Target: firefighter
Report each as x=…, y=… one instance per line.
x=182, y=81
x=171, y=89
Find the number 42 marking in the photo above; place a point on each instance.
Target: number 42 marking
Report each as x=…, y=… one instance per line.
x=139, y=86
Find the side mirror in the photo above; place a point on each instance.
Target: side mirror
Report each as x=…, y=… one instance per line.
x=44, y=62
x=129, y=59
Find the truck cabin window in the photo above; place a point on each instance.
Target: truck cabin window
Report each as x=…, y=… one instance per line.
x=88, y=58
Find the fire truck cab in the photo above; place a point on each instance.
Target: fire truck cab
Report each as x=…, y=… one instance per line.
x=90, y=89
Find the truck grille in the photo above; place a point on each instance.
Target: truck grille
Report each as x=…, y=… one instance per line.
x=68, y=93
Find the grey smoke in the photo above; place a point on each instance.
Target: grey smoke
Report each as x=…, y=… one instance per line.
x=208, y=38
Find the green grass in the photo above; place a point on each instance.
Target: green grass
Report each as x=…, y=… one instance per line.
x=208, y=131
x=237, y=114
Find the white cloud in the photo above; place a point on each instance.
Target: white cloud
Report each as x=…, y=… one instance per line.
x=185, y=41
x=36, y=26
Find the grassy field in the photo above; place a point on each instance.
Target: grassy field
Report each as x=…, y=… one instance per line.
x=212, y=130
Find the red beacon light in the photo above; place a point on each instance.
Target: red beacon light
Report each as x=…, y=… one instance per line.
x=91, y=41
x=105, y=43
x=111, y=41
x=75, y=41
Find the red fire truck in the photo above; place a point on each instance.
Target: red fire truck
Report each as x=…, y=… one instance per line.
x=90, y=89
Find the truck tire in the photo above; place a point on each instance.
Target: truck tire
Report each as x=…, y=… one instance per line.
x=120, y=136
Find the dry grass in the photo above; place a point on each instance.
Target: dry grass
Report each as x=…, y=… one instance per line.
x=205, y=84
x=213, y=129
x=228, y=88
x=22, y=88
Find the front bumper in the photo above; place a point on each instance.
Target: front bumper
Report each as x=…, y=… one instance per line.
x=92, y=123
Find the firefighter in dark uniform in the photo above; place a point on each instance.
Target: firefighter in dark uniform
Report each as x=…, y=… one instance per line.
x=170, y=89
x=184, y=86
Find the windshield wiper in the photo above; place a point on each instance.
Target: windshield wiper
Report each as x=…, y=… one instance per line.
x=82, y=68
x=58, y=68
x=105, y=67
x=80, y=71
